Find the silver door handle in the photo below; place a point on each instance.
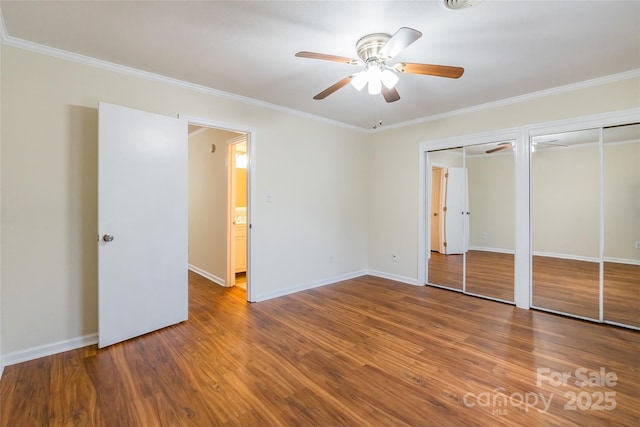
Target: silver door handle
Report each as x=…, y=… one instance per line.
x=107, y=238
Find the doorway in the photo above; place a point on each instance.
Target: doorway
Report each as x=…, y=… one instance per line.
x=219, y=204
x=237, y=211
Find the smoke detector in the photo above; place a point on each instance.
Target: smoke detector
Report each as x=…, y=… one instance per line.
x=460, y=4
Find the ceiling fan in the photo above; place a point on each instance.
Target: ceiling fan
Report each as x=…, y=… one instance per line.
x=509, y=144
x=374, y=51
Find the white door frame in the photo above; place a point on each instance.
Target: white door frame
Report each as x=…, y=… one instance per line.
x=251, y=184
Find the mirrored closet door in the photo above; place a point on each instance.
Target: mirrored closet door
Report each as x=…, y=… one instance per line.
x=489, y=261
x=621, y=209
x=565, y=222
x=471, y=219
x=585, y=224
x=447, y=200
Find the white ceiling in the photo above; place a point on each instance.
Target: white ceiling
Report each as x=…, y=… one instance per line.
x=508, y=48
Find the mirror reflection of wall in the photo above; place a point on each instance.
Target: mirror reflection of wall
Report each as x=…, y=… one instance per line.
x=490, y=259
x=565, y=187
x=621, y=198
x=445, y=264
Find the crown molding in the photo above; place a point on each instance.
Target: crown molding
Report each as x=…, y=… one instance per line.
x=105, y=65
x=122, y=69
x=521, y=98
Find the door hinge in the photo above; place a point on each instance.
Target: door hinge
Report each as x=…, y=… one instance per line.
x=444, y=209
x=446, y=175
x=444, y=244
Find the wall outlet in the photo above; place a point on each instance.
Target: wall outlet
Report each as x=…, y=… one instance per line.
x=484, y=235
x=395, y=257
x=637, y=245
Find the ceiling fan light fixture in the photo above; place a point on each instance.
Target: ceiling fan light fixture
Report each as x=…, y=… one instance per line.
x=359, y=80
x=389, y=79
x=375, y=86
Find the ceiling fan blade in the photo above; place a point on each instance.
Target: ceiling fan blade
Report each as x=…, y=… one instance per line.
x=328, y=91
x=500, y=148
x=325, y=57
x=390, y=95
x=429, y=69
x=398, y=42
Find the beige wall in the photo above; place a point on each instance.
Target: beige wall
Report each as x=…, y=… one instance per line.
x=565, y=210
x=394, y=154
x=341, y=200
x=491, y=201
x=208, y=202
x=314, y=230
x=621, y=200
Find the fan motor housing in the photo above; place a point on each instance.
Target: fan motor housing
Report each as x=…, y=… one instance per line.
x=369, y=46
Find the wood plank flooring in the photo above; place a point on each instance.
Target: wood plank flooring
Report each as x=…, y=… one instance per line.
x=363, y=352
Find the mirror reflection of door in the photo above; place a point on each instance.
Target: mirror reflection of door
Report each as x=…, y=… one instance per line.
x=444, y=269
x=436, y=225
x=489, y=261
x=621, y=198
x=565, y=222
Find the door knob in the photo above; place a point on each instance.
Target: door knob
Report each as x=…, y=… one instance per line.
x=107, y=237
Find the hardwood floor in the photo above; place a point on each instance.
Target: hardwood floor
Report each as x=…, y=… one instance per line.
x=363, y=352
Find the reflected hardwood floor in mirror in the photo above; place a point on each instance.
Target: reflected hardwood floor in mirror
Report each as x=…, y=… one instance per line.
x=445, y=270
x=362, y=352
x=488, y=273
x=566, y=285
x=622, y=293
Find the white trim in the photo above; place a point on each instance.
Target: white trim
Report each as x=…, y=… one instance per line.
x=394, y=277
x=631, y=115
x=521, y=98
x=123, y=69
x=215, y=279
x=562, y=313
x=48, y=349
x=310, y=285
x=495, y=250
x=622, y=261
x=566, y=256
x=98, y=63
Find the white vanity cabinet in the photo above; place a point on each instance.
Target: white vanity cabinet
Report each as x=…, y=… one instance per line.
x=241, y=247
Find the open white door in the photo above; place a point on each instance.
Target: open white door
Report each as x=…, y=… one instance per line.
x=142, y=223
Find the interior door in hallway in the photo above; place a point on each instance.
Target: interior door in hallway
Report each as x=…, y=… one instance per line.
x=142, y=223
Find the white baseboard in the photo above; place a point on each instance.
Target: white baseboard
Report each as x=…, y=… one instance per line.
x=496, y=250
x=395, y=277
x=208, y=275
x=623, y=261
x=307, y=286
x=588, y=259
x=74, y=343
x=566, y=256
x=48, y=349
